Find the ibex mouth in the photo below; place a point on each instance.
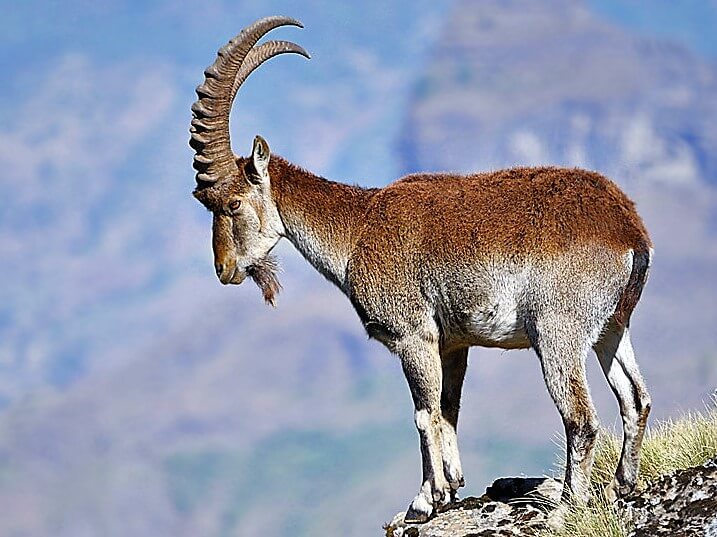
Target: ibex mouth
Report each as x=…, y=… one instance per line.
x=227, y=277
x=264, y=274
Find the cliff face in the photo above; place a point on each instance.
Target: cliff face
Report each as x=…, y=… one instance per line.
x=681, y=504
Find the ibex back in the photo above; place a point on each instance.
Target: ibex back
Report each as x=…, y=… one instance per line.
x=549, y=258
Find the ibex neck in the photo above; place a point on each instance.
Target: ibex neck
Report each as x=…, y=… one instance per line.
x=323, y=219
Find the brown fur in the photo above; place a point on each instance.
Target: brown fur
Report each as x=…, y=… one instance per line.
x=339, y=204
x=518, y=210
x=335, y=213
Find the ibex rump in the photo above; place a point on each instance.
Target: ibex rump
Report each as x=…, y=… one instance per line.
x=549, y=258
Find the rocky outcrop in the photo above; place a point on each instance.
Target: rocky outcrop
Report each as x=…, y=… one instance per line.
x=510, y=506
x=682, y=504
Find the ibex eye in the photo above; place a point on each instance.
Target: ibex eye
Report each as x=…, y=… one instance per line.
x=234, y=205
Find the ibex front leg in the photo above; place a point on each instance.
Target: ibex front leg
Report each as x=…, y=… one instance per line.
x=454, y=372
x=422, y=366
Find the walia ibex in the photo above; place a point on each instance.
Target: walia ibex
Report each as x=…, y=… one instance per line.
x=549, y=258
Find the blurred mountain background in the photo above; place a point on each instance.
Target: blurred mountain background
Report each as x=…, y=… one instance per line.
x=140, y=397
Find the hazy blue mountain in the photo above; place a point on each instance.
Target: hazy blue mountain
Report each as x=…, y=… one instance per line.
x=549, y=82
x=102, y=248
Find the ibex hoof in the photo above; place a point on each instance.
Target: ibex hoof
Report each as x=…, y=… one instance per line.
x=614, y=490
x=419, y=511
x=611, y=492
x=454, y=476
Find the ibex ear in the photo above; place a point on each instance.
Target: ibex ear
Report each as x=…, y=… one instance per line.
x=260, y=159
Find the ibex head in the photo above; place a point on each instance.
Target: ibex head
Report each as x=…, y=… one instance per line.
x=237, y=190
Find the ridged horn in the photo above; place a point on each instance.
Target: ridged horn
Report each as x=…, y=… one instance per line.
x=260, y=54
x=209, y=129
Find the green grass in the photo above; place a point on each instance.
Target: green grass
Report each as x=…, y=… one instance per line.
x=671, y=445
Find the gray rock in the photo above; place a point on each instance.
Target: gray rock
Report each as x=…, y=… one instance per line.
x=510, y=506
x=680, y=504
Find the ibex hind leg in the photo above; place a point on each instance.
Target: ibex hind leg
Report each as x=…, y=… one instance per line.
x=617, y=359
x=454, y=371
x=562, y=345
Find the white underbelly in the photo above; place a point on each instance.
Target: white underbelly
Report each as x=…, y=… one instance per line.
x=497, y=325
x=493, y=313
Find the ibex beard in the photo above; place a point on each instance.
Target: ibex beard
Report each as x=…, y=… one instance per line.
x=264, y=275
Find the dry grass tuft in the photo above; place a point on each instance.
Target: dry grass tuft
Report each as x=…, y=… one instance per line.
x=669, y=446
x=599, y=519
x=679, y=444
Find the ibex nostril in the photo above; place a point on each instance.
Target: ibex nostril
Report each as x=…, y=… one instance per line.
x=219, y=269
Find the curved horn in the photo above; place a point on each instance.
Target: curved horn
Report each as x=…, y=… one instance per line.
x=260, y=54
x=210, y=122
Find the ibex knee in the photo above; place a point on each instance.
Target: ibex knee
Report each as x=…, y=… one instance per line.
x=422, y=419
